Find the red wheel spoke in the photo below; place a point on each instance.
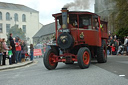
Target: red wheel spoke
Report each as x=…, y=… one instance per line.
x=86, y=58
x=52, y=59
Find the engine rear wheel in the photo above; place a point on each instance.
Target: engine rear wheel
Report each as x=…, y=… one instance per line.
x=102, y=53
x=84, y=57
x=49, y=59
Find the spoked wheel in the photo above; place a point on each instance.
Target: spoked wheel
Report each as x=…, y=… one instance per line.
x=84, y=57
x=102, y=53
x=49, y=59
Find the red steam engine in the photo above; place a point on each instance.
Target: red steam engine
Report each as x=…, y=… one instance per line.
x=80, y=36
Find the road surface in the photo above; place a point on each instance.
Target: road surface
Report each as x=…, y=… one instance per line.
x=114, y=72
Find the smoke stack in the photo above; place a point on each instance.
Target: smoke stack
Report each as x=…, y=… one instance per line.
x=64, y=18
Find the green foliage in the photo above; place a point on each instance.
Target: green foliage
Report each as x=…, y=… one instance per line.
x=122, y=32
x=17, y=32
x=122, y=18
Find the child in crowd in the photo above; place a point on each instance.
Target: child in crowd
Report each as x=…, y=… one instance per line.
x=10, y=54
x=113, y=49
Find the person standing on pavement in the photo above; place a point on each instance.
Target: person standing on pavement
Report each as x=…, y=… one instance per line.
x=23, y=51
x=113, y=49
x=120, y=47
x=126, y=44
x=10, y=54
x=12, y=44
x=108, y=47
x=4, y=51
x=1, y=51
x=111, y=42
x=18, y=48
x=19, y=57
x=116, y=45
x=31, y=52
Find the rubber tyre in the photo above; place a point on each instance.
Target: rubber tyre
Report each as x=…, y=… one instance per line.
x=102, y=53
x=47, y=62
x=81, y=55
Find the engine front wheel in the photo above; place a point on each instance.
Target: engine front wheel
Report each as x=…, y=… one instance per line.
x=84, y=57
x=49, y=59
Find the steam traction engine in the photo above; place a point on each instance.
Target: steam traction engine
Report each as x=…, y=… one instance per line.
x=80, y=36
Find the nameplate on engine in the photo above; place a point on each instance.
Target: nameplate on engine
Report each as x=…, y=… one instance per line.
x=64, y=30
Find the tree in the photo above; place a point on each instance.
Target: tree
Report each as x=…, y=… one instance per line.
x=17, y=32
x=122, y=17
x=121, y=20
x=121, y=33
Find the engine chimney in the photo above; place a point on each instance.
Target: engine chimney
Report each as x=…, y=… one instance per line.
x=64, y=18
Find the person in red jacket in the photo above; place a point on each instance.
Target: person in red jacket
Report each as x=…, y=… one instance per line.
x=18, y=49
x=113, y=49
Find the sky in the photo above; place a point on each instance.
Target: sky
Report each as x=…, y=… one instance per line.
x=47, y=7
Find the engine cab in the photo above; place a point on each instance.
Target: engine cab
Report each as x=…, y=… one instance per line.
x=85, y=27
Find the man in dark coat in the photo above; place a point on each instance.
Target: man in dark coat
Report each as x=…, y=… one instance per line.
x=12, y=44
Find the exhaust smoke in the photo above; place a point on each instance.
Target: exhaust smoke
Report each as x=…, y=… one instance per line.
x=78, y=5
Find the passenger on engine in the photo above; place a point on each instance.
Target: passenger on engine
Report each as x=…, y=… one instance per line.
x=96, y=24
x=102, y=27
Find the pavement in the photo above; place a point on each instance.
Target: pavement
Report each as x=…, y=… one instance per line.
x=7, y=66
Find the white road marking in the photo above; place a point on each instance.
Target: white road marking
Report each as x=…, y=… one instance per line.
x=121, y=75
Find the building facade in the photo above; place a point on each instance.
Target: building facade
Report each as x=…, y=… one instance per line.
x=24, y=17
x=107, y=11
x=44, y=34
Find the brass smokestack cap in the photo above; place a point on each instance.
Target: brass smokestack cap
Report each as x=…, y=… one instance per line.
x=64, y=10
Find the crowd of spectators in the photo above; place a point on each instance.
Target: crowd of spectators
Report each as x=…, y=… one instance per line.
x=16, y=51
x=117, y=46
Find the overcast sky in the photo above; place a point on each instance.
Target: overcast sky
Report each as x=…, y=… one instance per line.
x=46, y=7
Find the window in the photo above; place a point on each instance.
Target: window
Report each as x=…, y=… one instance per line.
x=17, y=26
x=7, y=16
x=24, y=28
x=85, y=21
x=16, y=17
x=23, y=18
x=1, y=28
x=7, y=28
x=0, y=15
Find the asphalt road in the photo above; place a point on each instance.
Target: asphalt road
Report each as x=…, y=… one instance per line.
x=96, y=74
